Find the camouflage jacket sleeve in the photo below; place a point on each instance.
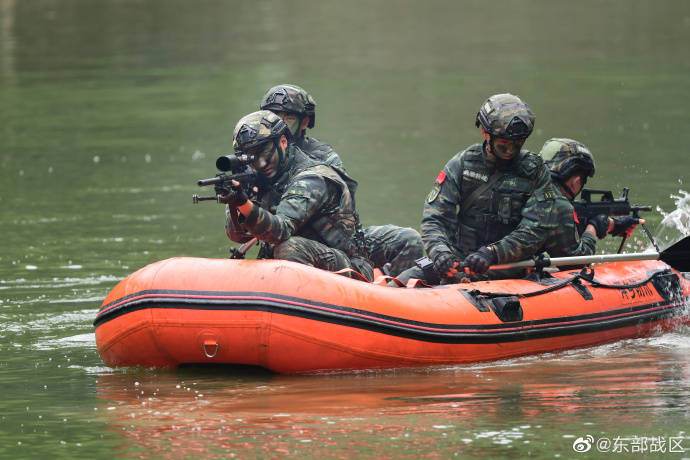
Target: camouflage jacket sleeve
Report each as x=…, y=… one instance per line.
x=440, y=219
x=530, y=235
x=236, y=233
x=302, y=199
x=563, y=238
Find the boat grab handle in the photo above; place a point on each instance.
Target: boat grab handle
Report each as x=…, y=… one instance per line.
x=210, y=343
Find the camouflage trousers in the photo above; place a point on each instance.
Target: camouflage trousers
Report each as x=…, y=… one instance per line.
x=315, y=254
x=398, y=246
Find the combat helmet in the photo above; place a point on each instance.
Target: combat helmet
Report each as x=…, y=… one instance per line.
x=564, y=157
x=256, y=128
x=506, y=116
x=290, y=99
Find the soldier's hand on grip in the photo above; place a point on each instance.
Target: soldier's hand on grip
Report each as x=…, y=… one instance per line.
x=601, y=225
x=624, y=226
x=446, y=265
x=479, y=262
x=233, y=196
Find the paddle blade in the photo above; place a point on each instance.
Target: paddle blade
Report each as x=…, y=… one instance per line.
x=678, y=255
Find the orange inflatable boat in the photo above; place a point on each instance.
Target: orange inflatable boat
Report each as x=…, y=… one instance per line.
x=288, y=317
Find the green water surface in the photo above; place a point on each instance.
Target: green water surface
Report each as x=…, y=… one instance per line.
x=110, y=110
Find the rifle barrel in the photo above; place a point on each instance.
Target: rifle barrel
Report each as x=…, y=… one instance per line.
x=211, y=181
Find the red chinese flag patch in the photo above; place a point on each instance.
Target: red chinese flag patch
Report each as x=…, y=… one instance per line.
x=577, y=221
x=441, y=177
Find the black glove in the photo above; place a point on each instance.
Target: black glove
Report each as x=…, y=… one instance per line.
x=479, y=262
x=221, y=189
x=624, y=226
x=443, y=262
x=601, y=225
x=232, y=196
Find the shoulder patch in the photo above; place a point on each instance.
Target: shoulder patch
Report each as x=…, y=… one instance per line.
x=435, y=190
x=545, y=196
x=441, y=177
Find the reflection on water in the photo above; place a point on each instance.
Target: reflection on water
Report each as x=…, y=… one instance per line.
x=512, y=406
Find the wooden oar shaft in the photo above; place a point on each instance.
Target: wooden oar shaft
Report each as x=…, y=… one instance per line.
x=582, y=260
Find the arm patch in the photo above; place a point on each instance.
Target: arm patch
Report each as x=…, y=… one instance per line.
x=433, y=194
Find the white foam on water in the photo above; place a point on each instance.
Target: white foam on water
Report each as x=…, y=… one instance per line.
x=58, y=282
x=76, y=341
x=94, y=370
x=675, y=224
x=79, y=300
x=52, y=322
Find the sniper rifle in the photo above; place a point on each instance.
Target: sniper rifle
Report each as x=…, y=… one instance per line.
x=241, y=171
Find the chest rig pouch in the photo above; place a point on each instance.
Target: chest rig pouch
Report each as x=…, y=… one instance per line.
x=490, y=208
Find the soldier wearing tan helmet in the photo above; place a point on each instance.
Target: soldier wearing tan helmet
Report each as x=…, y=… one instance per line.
x=304, y=209
x=571, y=163
x=390, y=246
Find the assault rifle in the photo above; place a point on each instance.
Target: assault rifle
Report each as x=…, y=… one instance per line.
x=586, y=209
x=240, y=171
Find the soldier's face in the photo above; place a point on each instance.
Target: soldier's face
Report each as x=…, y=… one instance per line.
x=291, y=120
x=266, y=161
x=575, y=184
x=506, y=149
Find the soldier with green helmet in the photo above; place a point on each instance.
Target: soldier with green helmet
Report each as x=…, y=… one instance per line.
x=486, y=205
x=385, y=245
x=297, y=108
x=571, y=163
x=304, y=209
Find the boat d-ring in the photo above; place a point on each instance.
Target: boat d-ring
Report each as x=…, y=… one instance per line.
x=210, y=343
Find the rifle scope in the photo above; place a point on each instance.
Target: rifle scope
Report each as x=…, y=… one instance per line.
x=233, y=162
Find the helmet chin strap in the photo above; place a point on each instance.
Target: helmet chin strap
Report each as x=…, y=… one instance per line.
x=565, y=187
x=282, y=156
x=299, y=132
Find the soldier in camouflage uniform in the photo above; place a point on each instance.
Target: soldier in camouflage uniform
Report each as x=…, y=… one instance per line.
x=571, y=163
x=385, y=244
x=304, y=208
x=486, y=204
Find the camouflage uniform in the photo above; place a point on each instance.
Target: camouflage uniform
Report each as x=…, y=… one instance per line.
x=306, y=213
x=384, y=244
x=515, y=197
x=565, y=238
x=565, y=232
x=398, y=246
x=507, y=215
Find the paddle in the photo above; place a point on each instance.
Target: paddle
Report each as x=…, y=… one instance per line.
x=676, y=255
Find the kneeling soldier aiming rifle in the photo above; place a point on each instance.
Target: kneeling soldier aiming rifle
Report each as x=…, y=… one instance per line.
x=302, y=209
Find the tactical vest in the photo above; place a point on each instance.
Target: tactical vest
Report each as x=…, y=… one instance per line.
x=335, y=225
x=496, y=211
x=324, y=153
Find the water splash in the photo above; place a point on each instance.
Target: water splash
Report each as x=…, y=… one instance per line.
x=675, y=224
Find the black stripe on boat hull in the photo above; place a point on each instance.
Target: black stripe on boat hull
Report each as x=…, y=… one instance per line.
x=443, y=333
